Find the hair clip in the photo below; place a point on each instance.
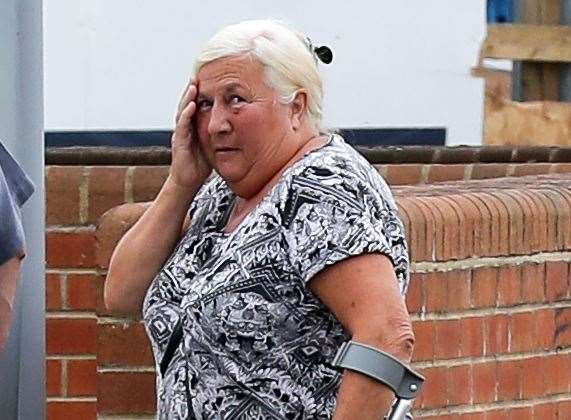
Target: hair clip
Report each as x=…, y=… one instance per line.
x=323, y=53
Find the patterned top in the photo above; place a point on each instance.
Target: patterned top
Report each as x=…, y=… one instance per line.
x=235, y=329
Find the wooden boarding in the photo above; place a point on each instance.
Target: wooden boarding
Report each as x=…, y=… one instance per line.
x=521, y=42
x=527, y=123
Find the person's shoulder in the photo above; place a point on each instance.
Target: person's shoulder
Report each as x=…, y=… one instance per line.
x=14, y=178
x=340, y=167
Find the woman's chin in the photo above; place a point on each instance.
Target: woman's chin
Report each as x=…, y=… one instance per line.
x=229, y=173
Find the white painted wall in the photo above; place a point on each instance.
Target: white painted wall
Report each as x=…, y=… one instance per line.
x=121, y=64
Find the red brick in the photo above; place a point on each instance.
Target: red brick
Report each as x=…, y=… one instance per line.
x=556, y=281
x=484, y=287
x=106, y=190
x=533, y=283
x=545, y=328
x=526, y=169
x=497, y=334
x=509, y=380
x=498, y=414
x=499, y=224
x=509, y=285
x=71, y=336
x=448, y=338
x=81, y=292
x=53, y=378
x=484, y=382
x=434, y=393
x=126, y=392
x=546, y=411
x=557, y=369
x=533, y=385
x=521, y=413
x=71, y=410
x=564, y=410
x=113, y=226
x=489, y=170
x=470, y=416
x=563, y=327
x=473, y=416
x=443, y=173
x=436, y=289
x=99, y=285
x=472, y=340
x=53, y=292
x=562, y=168
x=62, y=195
x=522, y=331
x=427, y=228
x=126, y=345
x=459, y=384
x=424, y=340
x=414, y=295
x=516, y=222
x=70, y=249
x=404, y=174
x=82, y=378
x=458, y=290
x=147, y=181
x=451, y=244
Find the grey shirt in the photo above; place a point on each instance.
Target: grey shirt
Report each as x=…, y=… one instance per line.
x=15, y=189
x=236, y=332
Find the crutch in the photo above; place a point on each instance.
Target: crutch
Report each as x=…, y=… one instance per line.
x=405, y=382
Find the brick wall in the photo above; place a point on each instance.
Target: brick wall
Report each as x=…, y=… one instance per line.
x=78, y=334
x=489, y=297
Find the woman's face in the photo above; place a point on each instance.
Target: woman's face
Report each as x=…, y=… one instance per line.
x=242, y=127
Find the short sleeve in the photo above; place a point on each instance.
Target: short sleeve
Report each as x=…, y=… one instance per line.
x=15, y=189
x=332, y=216
x=11, y=231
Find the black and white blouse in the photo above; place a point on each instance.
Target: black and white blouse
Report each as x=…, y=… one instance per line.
x=235, y=329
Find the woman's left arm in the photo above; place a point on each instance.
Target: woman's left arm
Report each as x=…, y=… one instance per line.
x=363, y=294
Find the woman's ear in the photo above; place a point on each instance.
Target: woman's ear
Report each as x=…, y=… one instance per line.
x=298, y=108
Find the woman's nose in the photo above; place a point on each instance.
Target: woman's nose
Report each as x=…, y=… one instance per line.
x=218, y=122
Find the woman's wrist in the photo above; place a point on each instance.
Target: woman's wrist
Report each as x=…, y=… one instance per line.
x=185, y=191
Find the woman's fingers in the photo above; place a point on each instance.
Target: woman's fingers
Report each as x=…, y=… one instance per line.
x=184, y=124
x=188, y=96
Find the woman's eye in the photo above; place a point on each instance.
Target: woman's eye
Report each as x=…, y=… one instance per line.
x=204, y=104
x=235, y=99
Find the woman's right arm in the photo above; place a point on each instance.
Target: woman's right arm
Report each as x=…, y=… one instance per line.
x=143, y=250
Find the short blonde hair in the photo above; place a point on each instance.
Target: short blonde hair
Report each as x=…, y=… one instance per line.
x=290, y=65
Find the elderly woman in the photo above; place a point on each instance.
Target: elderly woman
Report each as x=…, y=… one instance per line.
x=250, y=280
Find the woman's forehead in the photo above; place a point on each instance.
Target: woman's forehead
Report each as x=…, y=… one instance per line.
x=231, y=72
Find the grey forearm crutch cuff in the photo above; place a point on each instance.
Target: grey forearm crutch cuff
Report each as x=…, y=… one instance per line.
x=405, y=382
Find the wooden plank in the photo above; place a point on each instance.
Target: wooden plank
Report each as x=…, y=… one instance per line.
x=540, y=81
x=526, y=123
x=547, y=12
x=522, y=42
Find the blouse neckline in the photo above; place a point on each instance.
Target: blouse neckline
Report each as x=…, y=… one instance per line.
x=223, y=221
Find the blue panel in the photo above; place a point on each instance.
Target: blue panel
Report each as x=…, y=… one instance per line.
x=358, y=136
x=500, y=11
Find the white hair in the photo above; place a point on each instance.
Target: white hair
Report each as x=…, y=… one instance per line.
x=290, y=65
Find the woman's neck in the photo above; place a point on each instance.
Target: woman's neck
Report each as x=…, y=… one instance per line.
x=244, y=205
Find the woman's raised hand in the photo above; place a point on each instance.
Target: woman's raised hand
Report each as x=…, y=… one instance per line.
x=189, y=167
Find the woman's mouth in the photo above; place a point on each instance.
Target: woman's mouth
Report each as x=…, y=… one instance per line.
x=226, y=150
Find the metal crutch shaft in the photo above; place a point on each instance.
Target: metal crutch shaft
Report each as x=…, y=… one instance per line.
x=400, y=409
